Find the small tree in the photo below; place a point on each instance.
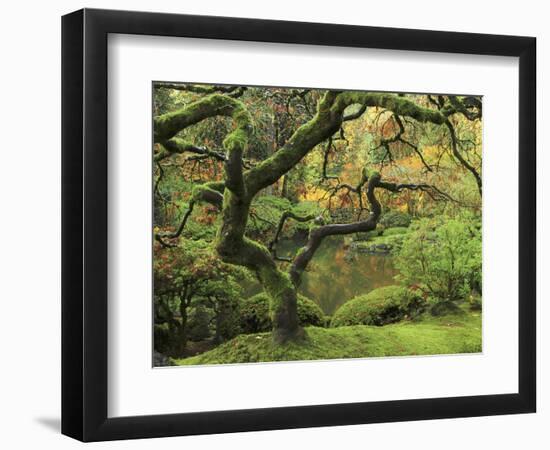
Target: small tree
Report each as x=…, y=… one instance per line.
x=190, y=275
x=443, y=259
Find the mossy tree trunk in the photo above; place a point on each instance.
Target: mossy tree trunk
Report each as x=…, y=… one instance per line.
x=234, y=196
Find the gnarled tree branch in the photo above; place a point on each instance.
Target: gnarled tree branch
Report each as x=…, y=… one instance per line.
x=317, y=235
x=286, y=215
x=179, y=146
x=205, y=193
x=232, y=91
x=326, y=122
x=434, y=192
x=458, y=155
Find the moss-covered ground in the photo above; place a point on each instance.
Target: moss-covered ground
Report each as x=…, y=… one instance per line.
x=426, y=335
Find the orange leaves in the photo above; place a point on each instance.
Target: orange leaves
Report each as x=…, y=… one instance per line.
x=345, y=200
x=312, y=195
x=206, y=215
x=389, y=128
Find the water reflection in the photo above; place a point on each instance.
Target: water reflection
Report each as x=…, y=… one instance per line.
x=335, y=275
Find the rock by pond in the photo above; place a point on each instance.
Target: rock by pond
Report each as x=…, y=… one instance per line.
x=370, y=248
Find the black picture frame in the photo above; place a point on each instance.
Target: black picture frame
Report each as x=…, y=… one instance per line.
x=84, y=224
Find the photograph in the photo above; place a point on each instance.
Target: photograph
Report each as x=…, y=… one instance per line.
x=275, y=225
x=294, y=224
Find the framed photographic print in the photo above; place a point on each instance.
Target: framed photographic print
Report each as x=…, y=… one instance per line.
x=274, y=224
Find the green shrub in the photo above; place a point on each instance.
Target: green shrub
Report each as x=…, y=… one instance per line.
x=475, y=302
x=254, y=313
x=392, y=219
x=169, y=340
x=379, y=307
x=444, y=308
x=193, y=287
x=198, y=323
x=162, y=337
x=395, y=231
x=368, y=235
x=227, y=319
x=309, y=313
x=442, y=257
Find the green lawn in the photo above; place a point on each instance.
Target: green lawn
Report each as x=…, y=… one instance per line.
x=425, y=336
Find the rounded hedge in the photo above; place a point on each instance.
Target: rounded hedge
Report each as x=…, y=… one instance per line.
x=445, y=307
x=379, y=307
x=254, y=313
x=393, y=219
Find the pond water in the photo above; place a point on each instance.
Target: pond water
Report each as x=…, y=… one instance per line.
x=336, y=274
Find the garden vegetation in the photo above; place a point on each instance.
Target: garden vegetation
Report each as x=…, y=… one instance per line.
x=257, y=191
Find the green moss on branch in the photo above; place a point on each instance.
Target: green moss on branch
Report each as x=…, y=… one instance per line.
x=398, y=105
x=168, y=125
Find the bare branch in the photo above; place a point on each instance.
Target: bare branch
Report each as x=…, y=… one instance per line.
x=317, y=235
x=161, y=236
x=434, y=192
x=328, y=148
x=286, y=215
x=205, y=193
x=458, y=155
